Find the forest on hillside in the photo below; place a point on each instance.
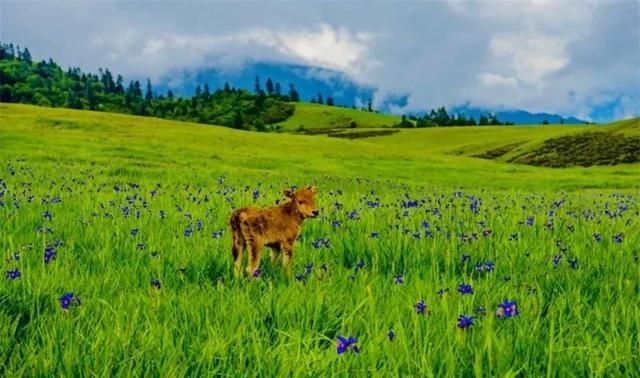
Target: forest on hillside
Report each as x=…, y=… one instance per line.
x=46, y=83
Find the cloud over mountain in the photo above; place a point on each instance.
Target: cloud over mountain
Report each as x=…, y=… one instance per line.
x=573, y=58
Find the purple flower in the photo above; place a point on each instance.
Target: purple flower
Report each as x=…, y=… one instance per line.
x=188, y=231
x=13, y=274
x=373, y=204
x=421, y=308
x=465, y=321
x=556, y=260
x=49, y=254
x=256, y=195
x=507, y=309
x=134, y=231
x=69, y=299
x=308, y=268
x=343, y=344
x=573, y=263
x=300, y=277
x=410, y=204
x=257, y=273
x=156, y=283
x=489, y=266
x=618, y=238
x=47, y=215
x=320, y=242
x=398, y=279
x=391, y=335
x=465, y=288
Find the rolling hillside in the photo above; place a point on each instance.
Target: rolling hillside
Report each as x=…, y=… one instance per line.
x=314, y=116
x=149, y=147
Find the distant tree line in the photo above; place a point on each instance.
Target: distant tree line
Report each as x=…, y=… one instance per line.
x=319, y=99
x=441, y=118
x=45, y=83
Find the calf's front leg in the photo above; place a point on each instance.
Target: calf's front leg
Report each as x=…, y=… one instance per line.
x=287, y=254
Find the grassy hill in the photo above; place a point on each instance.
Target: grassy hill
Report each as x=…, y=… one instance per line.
x=147, y=146
x=314, y=116
x=440, y=263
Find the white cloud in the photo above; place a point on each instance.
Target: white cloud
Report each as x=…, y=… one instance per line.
x=490, y=79
x=532, y=57
x=324, y=46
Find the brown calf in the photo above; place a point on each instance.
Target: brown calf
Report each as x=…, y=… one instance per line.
x=275, y=227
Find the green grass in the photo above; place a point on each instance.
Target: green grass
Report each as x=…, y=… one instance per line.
x=314, y=116
x=114, y=173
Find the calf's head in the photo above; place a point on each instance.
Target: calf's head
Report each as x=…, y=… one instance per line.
x=304, y=201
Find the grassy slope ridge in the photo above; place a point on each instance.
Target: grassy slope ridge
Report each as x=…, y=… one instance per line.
x=313, y=116
x=429, y=156
x=616, y=131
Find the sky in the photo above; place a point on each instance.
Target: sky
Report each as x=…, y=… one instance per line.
x=574, y=58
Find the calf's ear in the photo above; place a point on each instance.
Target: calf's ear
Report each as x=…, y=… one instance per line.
x=288, y=193
x=313, y=189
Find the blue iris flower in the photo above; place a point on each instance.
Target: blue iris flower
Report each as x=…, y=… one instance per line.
x=13, y=274
x=344, y=344
x=391, y=335
x=308, y=268
x=507, y=309
x=465, y=321
x=465, y=288
x=49, y=254
x=421, y=308
x=69, y=299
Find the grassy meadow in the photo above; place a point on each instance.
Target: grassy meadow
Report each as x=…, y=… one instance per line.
x=314, y=116
x=130, y=215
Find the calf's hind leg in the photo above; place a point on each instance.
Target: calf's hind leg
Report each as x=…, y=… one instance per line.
x=254, y=259
x=237, y=249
